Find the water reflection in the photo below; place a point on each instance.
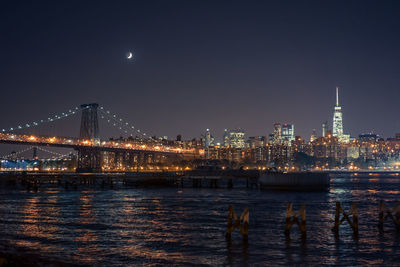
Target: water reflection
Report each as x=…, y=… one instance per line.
x=237, y=252
x=167, y=226
x=86, y=239
x=39, y=222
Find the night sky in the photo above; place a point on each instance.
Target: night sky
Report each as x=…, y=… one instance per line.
x=204, y=64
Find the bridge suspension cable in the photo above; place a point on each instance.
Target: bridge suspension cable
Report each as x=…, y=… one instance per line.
x=121, y=124
x=59, y=155
x=40, y=122
x=16, y=153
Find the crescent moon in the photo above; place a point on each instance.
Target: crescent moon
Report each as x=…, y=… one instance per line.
x=130, y=55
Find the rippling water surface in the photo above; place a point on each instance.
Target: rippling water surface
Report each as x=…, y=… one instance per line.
x=128, y=226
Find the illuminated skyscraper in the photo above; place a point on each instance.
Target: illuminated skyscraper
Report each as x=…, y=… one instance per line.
x=236, y=138
x=337, y=129
x=324, y=128
x=225, y=141
x=277, y=133
x=208, y=139
x=313, y=136
x=287, y=133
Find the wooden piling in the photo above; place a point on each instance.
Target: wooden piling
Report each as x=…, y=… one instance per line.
x=381, y=214
x=234, y=221
x=355, y=217
x=353, y=222
x=293, y=218
x=385, y=213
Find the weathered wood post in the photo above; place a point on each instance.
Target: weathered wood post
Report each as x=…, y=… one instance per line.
x=394, y=215
x=288, y=225
x=355, y=217
x=353, y=223
x=303, y=219
x=337, y=216
x=381, y=214
x=244, y=218
x=229, y=225
x=292, y=218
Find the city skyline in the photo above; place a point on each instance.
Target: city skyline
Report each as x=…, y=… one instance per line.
x=186, y=133
x=194, y=71
x=337, y=128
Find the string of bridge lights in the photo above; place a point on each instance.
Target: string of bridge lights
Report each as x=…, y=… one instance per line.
x=17, y=153
x=53, y=152
x=105, y=114
x=48, y=151
x=59, y=155
x=113, y=120
x=49, y=119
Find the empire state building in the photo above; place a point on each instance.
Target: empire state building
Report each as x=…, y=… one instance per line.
x=337, y=129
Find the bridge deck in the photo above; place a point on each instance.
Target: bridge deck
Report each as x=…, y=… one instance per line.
x=78, y=144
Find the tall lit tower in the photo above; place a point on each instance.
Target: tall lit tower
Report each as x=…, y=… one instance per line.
x=337, y=129
x=324, y=128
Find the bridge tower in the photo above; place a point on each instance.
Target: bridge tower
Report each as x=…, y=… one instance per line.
x=90, y=123
x=89, y=159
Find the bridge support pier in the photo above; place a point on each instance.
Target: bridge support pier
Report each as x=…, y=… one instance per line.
x=89, y=160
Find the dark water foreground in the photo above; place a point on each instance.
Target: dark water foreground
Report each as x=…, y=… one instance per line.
x=142, y=226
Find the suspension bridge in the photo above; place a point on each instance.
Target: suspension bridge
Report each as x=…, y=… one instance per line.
x=89, y=146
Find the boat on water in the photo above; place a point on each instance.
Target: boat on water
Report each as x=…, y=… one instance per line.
x=295, y=181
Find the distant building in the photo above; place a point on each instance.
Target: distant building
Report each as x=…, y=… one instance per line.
x=337, y=117
x=368, y=137
x=236, y=138
x=337, y=129
x=225, y=138
x=256, y=141
x=287, y=133
x=326, y=147
x=271, y=138
x=277, y=133
x=208, y=139
x=353, y=152
x=324, y=128
x=313, y=136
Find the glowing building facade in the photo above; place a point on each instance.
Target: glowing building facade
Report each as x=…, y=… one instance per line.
x=337, y=130
x=236, y=138
x=287, y=132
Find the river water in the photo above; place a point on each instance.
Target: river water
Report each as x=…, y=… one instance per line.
x=153, y=226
